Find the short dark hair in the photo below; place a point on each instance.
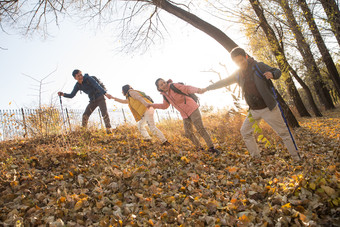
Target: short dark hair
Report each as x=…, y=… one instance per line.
x=75, y=72
x=125, y=89
x=237, y=51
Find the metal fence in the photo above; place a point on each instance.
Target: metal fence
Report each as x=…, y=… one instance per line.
x=22, y=123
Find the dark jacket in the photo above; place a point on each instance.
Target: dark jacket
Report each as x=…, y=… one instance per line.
x=89, y=86
x=261, y=83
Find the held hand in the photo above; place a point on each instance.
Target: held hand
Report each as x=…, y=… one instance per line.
x=60, y=93
x=268, y=75
x=148, y=105
x=202, y=90
x=109, y=96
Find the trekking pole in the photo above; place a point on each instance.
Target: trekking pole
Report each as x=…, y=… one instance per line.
x=259, y=73
x=284, y=119
x=62, y=111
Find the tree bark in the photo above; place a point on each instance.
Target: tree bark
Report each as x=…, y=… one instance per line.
x=279, y=55
x=326, y=57
x=198, y=23
x=308, y=92
x=212, y=31
x=304, y=49
x=333, y=15
x=288, y=114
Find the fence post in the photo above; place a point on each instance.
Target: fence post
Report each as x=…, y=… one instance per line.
x=124, y=115
x=24, y=121
x=100, y=118
x=68, y=119
x=169, y=115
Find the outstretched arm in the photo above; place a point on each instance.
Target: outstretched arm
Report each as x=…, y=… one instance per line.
x=163, y=105
x=73, y=93
x=124, y=101
x=223, y=83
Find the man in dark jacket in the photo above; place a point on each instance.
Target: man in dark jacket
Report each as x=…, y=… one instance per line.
x=96, y=94
x=259, y=97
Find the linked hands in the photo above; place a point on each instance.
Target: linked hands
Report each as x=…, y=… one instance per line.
x=60, y=93
x=109, y=96
x=148, y=105
x=202, y=90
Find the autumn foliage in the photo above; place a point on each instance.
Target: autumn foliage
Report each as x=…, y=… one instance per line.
x=89, y=178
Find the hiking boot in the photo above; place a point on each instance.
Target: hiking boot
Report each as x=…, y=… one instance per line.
x=108, y=131
x=166, y=143
x=199, y=149
x=214, y=151
x=297, y=157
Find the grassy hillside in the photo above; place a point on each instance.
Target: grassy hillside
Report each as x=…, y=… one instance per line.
x=89, y=178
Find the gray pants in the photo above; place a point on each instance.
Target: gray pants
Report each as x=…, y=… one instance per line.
x=100, y=101
x=196, y=119
x=275, y=120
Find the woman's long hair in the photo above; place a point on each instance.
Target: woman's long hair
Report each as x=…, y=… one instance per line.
x=125, y=89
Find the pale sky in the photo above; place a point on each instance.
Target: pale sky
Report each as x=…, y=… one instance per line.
x=183, y=56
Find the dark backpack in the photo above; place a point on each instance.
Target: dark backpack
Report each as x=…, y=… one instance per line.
x=99, y=82
x=193, y=96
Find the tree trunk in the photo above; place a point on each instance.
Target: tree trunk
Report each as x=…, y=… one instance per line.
x=333, y=14
x=198, y=23
x=210, y=30
x=292, y=122
x=293, y=92
x=279, y=55
x=308, y=92
x=304, y=49
x=326, y=57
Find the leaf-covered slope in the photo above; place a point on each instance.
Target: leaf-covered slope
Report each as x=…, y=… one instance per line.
x=94, y=179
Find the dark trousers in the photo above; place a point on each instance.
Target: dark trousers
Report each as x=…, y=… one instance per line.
x=100, y=101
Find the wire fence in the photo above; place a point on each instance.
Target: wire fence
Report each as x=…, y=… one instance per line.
x=25, y=123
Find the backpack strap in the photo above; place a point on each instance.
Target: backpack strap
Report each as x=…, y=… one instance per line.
x=175, y=89
x=259, y=73
x=166, y=99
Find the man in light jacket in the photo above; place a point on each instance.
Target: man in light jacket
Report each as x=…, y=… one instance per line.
x=259, y=97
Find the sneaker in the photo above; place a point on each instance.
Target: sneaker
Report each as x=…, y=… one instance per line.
x=108, y=131
x=214, y=151
x=166, y=143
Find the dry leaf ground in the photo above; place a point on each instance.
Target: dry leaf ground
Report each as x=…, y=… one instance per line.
x=94, y=179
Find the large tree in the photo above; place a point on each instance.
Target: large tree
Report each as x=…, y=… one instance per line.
x=306, y=53
x=333, y=14
x=275, y=47
x=326, y=57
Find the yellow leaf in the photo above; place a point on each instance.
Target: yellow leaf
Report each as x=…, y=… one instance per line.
x=244, y=219
x=150, y=222
x=71, y=174
x=312, y=186
x=78, y=205
x=287, y=205
x=183, y=158
x=62, y=199
x=232, y=169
